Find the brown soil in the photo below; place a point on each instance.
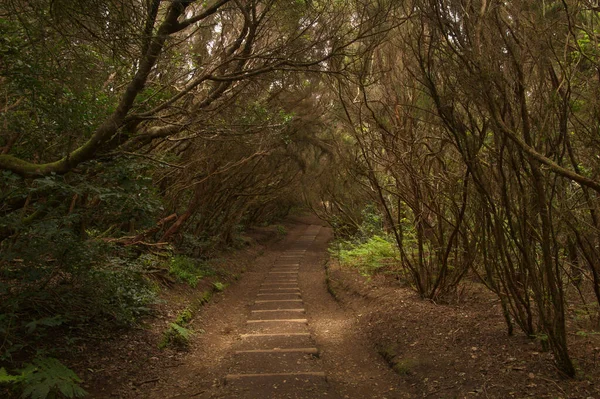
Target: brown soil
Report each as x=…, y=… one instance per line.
x=438, y=351
x=460, y=351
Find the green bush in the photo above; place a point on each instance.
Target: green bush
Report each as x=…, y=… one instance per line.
x=372, y=223
x=42, y=305
x=123, y=294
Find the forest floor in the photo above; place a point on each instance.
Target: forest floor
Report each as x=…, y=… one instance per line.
x=375, y=339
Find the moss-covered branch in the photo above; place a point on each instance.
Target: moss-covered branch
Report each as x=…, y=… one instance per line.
x=115, y=121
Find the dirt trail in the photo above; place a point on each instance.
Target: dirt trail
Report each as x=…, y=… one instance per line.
x=278, y=333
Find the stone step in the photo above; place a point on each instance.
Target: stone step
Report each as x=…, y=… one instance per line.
x=278, y=295
x=277, y=326
x=272, y=341
x=282, y=285
x=272, y=304
x=285, y=273
x=286, y=281
x=272, y=314
x=272, y=320
x=280, y=279
x=308, y=350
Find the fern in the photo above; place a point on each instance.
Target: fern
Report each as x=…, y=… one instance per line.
x=184, y=332
x=176, y=336
x=44, y=378
x=6, y=378
x=219, y=286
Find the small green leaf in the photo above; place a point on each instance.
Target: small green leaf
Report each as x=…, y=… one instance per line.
x=6, y=378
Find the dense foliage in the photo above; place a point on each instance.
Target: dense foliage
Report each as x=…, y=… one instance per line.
x=472, y=127
x=135, y=138
x=442, y=139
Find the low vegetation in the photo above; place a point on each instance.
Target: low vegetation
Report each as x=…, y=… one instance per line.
x=368, y=257
x=44, y=377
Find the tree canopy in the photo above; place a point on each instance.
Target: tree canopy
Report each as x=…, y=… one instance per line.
x=467, y=129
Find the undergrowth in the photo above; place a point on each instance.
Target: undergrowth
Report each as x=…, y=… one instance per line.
x=179, y=333
x=367, y=256
x=45, y=377
x=189, y=270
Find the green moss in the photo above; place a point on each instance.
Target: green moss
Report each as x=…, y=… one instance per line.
x=404, y=366
x=185, y=316
x=204, y=298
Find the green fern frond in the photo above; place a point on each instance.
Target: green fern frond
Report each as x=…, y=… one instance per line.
x=185, y=333
x=48, y=375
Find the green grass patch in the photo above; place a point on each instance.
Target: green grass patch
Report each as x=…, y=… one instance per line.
x=367, y=256
x=189, y=270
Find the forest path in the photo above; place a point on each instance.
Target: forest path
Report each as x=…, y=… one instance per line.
x=278, y=333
